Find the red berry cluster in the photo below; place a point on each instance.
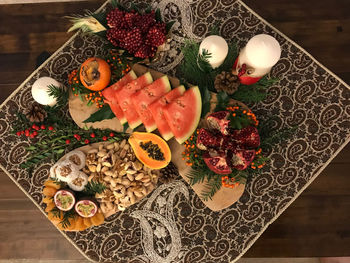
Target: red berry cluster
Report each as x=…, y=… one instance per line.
x=32, y=132
x=139, y=34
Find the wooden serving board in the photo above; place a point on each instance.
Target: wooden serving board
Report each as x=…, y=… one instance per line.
x=79, y=111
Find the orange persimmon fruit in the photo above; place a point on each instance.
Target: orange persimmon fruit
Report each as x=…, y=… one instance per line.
x=95, y=74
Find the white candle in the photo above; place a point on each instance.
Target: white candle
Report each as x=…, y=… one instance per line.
x=217, y=47
x=261, y=53
x=40, y=91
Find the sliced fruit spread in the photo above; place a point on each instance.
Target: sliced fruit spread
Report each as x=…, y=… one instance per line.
x=153, y=103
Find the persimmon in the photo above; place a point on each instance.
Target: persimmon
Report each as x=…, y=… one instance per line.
x=95, y=74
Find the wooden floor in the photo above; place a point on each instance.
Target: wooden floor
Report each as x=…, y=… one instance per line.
x=317, y=224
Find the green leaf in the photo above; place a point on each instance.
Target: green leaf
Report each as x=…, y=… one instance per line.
x=105, y=113
x=169, y=25
x=59, y=151
x=206, y=96
x=158, y=15
x=222, y=101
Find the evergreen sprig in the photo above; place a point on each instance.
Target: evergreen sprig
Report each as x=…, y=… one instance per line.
x=94, y=187
x=255, y=92
x=60, y=94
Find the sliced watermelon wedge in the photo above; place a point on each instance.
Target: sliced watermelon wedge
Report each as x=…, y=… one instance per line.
x=156, y=108
x=109, y=95
x=123, y=95
x=183, y=114
x=144, y=97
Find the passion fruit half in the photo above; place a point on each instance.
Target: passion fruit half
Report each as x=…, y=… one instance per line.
x=86, y=208
x=64, y=199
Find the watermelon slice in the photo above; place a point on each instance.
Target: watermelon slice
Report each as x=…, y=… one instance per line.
x=156, y=109
x=110, y=99
x=183, y=114
x=123, y=97
x=144, y=97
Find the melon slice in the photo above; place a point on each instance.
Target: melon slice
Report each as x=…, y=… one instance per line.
x=156, y=108
x=144, y=97
x=109, y=95
x=123, y=96
x=183, y=114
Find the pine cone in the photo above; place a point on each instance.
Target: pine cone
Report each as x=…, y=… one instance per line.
x=226, y=81
x=36, y=113
x=169, y=173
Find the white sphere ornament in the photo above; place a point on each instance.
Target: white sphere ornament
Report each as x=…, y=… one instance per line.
x=40, y=90
x=262, y=51
x=217, y=47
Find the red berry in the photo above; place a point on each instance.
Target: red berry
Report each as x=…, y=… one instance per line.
x=33, y=126
x=111, y=134
x=50, y=128
x=92, y=135
x=104, y=138
x=35, y=133
x=22, y=132
x=77, y=137
x=67, y=141
x=32, y=135
x=26, y=132
x=18, y=133
x=86, y=141
x=42, y=127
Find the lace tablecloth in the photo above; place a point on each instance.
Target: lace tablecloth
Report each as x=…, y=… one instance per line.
x=172, y=224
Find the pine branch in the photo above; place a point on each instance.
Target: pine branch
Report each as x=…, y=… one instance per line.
x=253, y=93
x=94, y=187
x=60, y=94
x=211, y=188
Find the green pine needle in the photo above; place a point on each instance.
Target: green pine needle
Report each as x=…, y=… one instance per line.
x=94, y=187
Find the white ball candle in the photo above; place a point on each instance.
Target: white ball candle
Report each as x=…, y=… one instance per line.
x=261, y=53
x=217, y=47
x=40, y=91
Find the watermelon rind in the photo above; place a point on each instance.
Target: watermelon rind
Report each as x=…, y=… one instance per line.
x=197, y=103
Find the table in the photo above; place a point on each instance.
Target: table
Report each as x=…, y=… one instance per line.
x=297, y=219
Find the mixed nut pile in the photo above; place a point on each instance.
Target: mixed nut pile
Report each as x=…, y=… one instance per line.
x=126, y=178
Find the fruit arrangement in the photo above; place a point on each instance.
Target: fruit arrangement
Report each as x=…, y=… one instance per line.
x=176, y=113
x=69, y=195
x=63, y=210
x=227, y=146
x=139, y=34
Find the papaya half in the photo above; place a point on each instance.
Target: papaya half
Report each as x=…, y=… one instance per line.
x=150, y=149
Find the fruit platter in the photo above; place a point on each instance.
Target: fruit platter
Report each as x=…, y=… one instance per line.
x=135, y=128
